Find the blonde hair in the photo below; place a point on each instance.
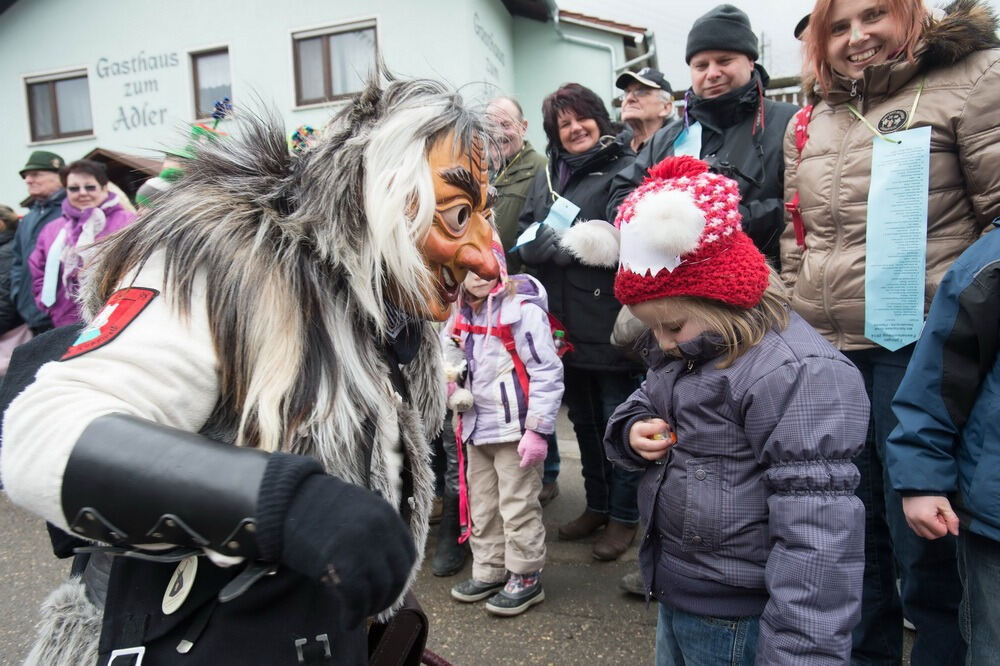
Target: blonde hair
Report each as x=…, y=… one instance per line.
x=739, y=328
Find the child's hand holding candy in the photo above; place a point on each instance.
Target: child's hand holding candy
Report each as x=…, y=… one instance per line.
x=651, y=438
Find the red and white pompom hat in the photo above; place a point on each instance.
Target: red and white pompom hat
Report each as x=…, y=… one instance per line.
x=681, y=235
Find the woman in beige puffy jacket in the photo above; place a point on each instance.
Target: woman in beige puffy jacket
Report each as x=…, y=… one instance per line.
x=886, y=66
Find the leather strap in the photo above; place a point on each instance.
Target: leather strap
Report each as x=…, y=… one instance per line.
x=801, y=124
x=130, y=481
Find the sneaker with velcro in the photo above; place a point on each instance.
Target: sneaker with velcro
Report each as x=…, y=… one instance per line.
x=509, y=603
x=472, y=590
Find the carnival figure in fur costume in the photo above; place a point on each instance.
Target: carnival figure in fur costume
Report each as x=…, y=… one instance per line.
x=251, y=403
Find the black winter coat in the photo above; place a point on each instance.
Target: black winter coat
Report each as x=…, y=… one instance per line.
x=737, y=144
x=9, y=317
x=582, y=297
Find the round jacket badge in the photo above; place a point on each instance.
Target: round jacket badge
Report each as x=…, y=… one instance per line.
x=180, y=585
x=892, y=121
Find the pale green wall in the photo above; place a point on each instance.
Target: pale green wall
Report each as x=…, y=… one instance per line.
x=544, y=61
x=435, y=39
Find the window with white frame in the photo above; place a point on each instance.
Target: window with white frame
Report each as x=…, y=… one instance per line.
x=332, y=63
x=59, y=105
x=212, y=80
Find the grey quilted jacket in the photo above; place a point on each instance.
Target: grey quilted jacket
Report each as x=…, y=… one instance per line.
x=753, y=512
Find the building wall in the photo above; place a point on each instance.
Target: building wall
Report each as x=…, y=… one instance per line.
x=543, y=61
x=466, y=43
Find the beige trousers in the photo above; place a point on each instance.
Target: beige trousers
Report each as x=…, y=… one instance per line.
x=507, y=530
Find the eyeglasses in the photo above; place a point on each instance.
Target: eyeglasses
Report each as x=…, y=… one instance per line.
x=639, y=91
x=76, y=188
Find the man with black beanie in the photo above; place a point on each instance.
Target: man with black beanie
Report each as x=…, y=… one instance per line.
x=728, y=123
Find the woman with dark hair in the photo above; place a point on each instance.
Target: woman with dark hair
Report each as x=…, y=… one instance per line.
x=887, y=76
x=583, y=158
x=89, y=212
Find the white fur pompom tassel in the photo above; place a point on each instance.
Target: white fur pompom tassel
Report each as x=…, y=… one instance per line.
x=670, y=221
x=594, y=243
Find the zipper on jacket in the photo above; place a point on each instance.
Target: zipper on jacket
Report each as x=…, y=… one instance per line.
x=837, y=228
x=854, y=88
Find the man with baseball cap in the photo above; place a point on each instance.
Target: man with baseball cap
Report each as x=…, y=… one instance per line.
x=41, y=176
x=728, y=123
x=647, y=104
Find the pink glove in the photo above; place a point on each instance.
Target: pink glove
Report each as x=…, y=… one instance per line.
x=533, y=448
x=452, y=386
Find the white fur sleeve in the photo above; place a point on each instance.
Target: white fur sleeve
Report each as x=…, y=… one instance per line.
x=160, y=367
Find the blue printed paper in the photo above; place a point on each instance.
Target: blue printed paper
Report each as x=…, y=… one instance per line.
x=688, y=142
x=527, y=235
x=562, y=214
x=896, y=243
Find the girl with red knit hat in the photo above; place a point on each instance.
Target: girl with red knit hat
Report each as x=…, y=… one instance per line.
x=745, y=428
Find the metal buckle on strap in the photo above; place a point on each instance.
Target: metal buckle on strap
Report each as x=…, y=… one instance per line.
x=301, y=642
x=137, y=652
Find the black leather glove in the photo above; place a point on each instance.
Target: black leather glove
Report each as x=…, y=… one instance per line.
x=334, y=532
x=545, y=248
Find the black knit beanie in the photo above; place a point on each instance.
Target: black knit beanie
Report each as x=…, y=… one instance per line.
x=724, y=28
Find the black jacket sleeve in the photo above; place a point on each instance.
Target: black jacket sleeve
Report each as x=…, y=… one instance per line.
x=660, y=145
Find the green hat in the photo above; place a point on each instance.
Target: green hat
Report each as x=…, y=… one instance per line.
x=200, y=134
x=43, y=160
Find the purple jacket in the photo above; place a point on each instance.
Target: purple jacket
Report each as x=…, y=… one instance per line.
x=65, y=310
x=501, y=411
x=753, y=511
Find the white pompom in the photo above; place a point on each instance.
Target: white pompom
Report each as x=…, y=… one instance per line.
x=668, y=221
x=460, y=401
x=594, y=243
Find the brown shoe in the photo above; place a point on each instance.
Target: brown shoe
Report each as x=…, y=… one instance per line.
x=588, y=523
x=616, y=539
x=549, y=492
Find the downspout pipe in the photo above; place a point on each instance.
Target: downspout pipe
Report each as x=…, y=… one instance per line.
x=635, y=61
x=554, y=13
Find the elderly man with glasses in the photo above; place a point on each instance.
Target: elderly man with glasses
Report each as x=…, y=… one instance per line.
x=647, y=104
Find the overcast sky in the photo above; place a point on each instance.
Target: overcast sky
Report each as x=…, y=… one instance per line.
x=670, y=21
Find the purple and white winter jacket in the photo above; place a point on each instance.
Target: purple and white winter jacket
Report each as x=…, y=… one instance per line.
x=501, y=411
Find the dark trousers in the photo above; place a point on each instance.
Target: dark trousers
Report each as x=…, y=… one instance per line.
x=930, y=589
x=591, y=396
x=979, y=566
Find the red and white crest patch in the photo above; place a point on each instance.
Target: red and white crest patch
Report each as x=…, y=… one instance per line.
x=120, y=310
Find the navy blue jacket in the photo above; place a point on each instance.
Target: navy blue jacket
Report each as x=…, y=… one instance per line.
x=41, y=213
x=948, y=438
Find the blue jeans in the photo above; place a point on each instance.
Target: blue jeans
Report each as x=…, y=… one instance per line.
x=550, y=470
x=930, y=589
x=591, y=397
x=683, y=639
x=979, y=613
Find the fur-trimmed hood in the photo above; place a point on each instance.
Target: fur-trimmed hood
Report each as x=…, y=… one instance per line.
x=967, y=26
x=949, y=35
